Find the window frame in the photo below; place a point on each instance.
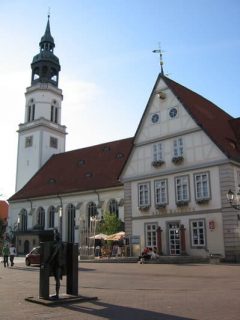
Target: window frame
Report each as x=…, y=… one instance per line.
x=178, y=147
x=161, y=203
x=182, y=199
x=158, y=152
x=198, y=245
x=202, y=197
x=153, y=234
x=147, y=199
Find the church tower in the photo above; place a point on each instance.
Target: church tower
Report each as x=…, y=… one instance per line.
x=41, y=135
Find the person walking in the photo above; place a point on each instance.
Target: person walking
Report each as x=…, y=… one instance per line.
x=12, y=250
x=5, y=253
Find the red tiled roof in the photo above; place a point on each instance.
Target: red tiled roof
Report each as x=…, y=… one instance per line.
x=79, y=170
x=221, y=128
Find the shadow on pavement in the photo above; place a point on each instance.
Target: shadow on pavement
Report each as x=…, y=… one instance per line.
x=36, y=268
x=114, y=312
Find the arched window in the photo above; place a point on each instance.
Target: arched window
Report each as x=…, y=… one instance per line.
x=113, y=207
x=31, y=112
x=41, y=217
x=51, y=217
x=71, y=212
x=91, y=211
x=23, y=220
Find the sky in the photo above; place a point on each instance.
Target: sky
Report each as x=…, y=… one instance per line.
x=108, y=69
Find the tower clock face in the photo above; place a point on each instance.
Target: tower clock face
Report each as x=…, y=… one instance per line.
x=173, y=113
x=155, y=118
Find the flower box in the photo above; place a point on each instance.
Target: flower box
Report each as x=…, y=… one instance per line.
x=157, y=164
x=202, y=201
x=143, y=208
x=182, y=203
x=177, y=160
x=160, y=206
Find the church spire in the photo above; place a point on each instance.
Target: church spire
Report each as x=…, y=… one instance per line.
x=47, y=41
x=45, y=65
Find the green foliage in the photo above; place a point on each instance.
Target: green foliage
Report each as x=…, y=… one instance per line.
x=110, y=224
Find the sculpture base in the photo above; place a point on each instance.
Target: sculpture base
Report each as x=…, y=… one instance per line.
x=63, y=299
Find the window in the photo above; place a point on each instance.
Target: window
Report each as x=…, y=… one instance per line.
x=31, y=112
x=92, y=211
x=178, y=147
x=54, y=114
x=198, y=236
x=41, y=217
x=161, y=197
x=51, y=216
x=23, y=220
x=53, y=142
x=202, y=190
x=144, y=195
x=113, y=207
x=151, y=234
x=28, y=141
x=182, y=189
x=157, y=152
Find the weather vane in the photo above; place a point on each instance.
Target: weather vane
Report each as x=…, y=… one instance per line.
x=161, y=59
x=49, y=11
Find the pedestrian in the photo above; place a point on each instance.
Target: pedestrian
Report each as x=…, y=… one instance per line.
x=12, y=250
x=5, y=253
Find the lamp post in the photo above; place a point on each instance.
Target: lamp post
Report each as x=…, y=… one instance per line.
x=60, y=220
x=234, y=199
x=94, y=220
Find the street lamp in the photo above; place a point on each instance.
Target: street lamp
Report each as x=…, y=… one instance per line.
x=234, y=199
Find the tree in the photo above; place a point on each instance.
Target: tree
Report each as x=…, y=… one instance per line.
x=109, y=224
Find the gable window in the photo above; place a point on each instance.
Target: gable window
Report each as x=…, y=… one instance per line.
x=202, y=189
x=182, y=190
x=53, y=142
x=157, y=152
x=178, y=147
x=198, y=233
x=28, y=141
x=144, y=195
x=161, y=197
x=151, y=235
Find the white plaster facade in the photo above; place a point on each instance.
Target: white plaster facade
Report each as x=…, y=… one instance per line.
x=200, y=155
x=39, y=127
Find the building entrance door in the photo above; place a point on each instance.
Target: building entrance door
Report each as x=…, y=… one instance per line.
x=174, y=238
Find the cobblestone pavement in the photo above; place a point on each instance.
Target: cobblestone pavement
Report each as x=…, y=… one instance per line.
x=128, y=291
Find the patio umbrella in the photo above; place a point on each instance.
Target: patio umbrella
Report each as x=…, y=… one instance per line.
x=99, y=236
x=116, y=236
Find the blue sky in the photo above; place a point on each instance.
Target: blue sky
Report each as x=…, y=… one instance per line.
x=108, y=68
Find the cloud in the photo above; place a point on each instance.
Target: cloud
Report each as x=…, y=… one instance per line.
x=79, y=94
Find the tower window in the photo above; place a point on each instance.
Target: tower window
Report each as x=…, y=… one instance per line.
x=31, y=113
x=28, y=141
x=53, y=142
x=54, y=114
